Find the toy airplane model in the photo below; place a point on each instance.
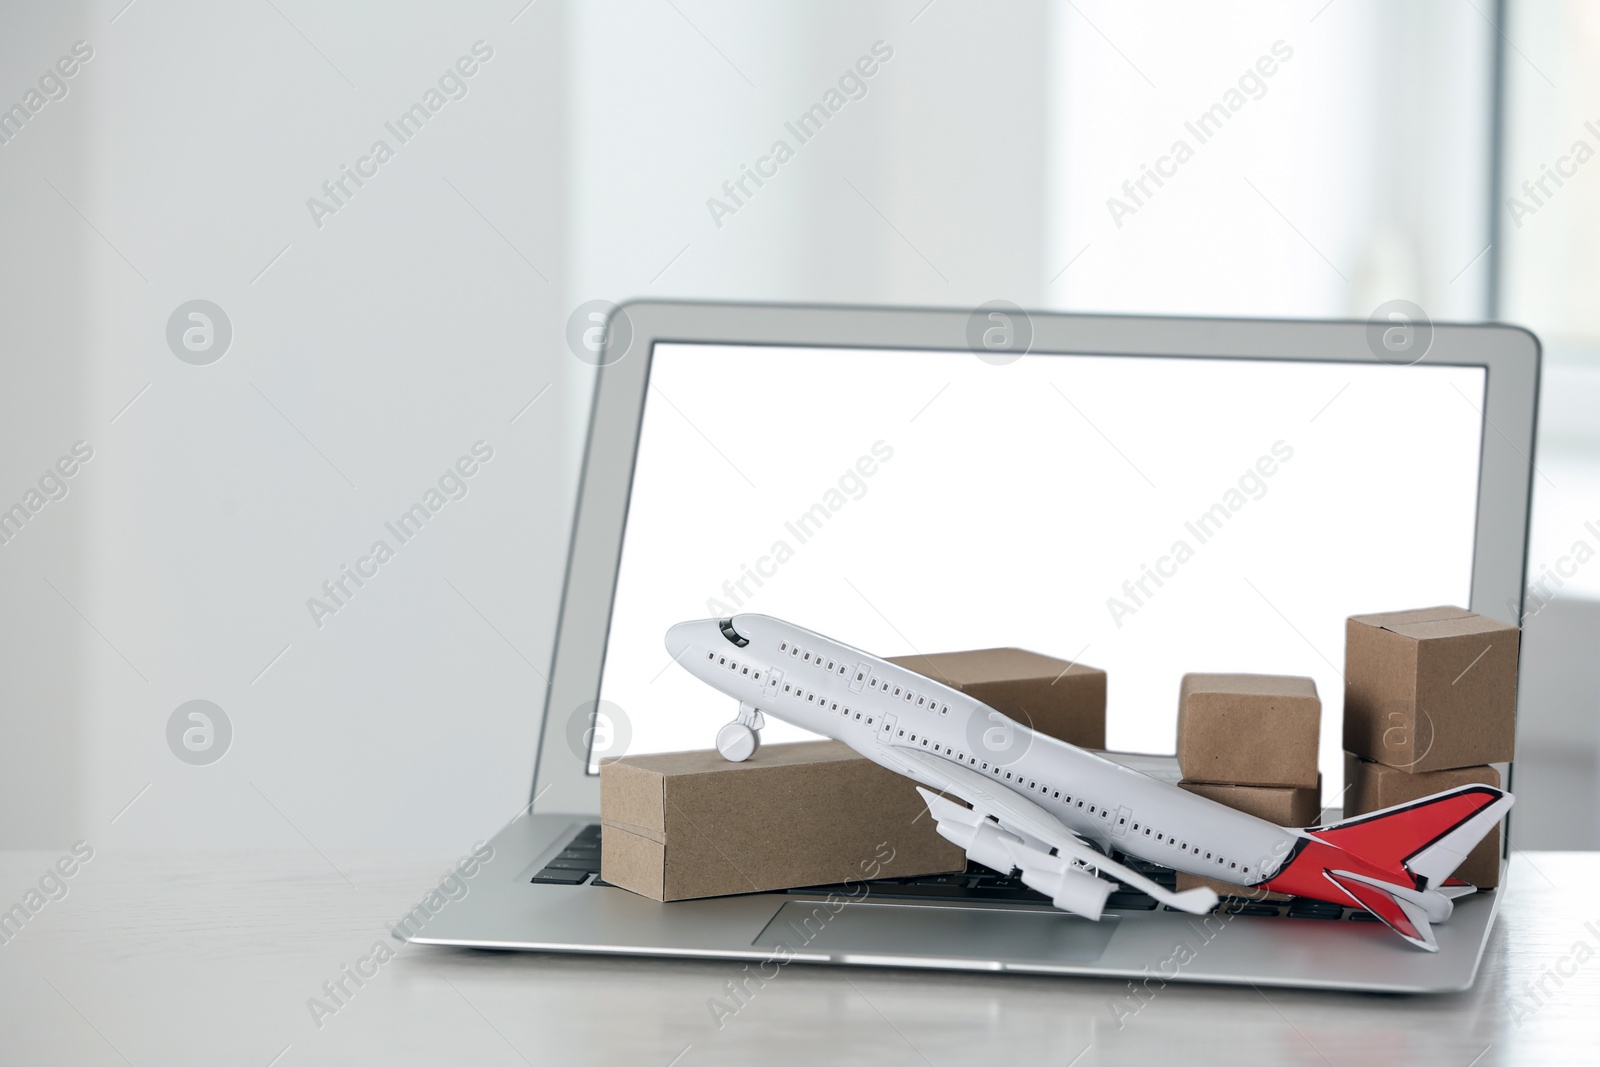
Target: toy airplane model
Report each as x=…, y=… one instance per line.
x=1041, y=806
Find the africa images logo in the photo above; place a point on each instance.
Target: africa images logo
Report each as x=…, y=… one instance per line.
x=199, y=732
x=199, y=332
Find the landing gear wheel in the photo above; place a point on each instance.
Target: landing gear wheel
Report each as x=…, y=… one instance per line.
x=737, y=742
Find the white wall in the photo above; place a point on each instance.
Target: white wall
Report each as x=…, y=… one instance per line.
x=926, y=190
x=44, y=308
x=364, y=361
x=425, y=314
x=1550, y=211
x=381, y=345
x=1351, y=168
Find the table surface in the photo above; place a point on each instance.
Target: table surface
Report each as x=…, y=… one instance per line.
x=214, y=958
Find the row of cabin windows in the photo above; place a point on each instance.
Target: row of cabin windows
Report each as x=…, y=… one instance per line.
x=816, y=659
x=943, y=750
x=1055, y=794
x=732, y=665
x=1183, y=846
x=812, y=698
x=873, y=683
x=1105, y=813
x=909, y=695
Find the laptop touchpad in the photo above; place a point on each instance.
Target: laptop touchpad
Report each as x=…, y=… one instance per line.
x=907, y=931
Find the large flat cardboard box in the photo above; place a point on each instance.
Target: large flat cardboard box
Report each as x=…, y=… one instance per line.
x=1296, y=807
x=680, y=825
x=1249, y=729
x=1371, y=786
x=1431, y=689
x=1058, y=698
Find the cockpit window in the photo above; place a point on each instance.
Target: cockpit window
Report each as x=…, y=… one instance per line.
x=726, y=626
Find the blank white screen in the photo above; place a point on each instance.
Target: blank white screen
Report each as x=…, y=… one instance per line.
x=1018, y=499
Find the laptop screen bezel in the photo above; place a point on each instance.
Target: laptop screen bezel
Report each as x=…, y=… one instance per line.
x=561, y=782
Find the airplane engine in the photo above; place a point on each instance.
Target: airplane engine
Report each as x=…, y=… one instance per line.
x=1071, y=890
x=983, y=841
x=1069, y=886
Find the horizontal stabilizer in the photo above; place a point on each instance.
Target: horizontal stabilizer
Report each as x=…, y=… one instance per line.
x=1400, y=915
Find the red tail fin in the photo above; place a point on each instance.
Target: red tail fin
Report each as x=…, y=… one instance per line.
x=1424, y=841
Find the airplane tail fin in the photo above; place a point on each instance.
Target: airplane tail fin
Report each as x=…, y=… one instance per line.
x=1397, y=863
x=1423, y=841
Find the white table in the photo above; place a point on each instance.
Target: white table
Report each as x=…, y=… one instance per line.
x=211, y=959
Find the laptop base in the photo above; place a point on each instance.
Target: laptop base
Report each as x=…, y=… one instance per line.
x=505, y=909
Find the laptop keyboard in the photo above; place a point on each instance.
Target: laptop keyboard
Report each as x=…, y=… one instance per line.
x=575, y=863
x=579, y=864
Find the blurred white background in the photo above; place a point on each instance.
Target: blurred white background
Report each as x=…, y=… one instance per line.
x=377, y=338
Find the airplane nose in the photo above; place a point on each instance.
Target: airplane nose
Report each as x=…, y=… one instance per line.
x=680, y=637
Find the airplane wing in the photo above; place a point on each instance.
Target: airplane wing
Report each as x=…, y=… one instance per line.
x=1005, y=830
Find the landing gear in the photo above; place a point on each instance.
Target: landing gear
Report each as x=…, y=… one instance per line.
x=740, y=739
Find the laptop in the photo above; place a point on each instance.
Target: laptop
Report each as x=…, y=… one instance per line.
x=920, y=481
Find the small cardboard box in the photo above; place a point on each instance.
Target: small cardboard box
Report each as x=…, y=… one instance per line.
x=1285, y=806
x=1371, y=786
x=1249, y=729
x=1431, y=689
x=690, y=824
x=1058, y=698
x=1296, y=806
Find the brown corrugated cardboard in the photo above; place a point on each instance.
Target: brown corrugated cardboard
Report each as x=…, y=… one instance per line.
x=690, y=824
x=1249, y=729
x=1430, y=689
x=1284, y=806
x=1058, y=698
x=1371, y=786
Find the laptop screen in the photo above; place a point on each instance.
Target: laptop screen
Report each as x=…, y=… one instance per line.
x=1148, y=516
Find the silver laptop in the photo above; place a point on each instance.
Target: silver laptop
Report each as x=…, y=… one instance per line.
x=934, y=480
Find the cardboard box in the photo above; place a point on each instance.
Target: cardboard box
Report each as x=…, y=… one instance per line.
x=1297, y=807
x=1249, y=729
x=1371, y=786
x=690, y=824
x=1058, y=698
x=1287, y=806
x=1431, y=689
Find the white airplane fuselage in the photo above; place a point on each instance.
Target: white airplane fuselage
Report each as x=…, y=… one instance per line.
x=876, y=707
